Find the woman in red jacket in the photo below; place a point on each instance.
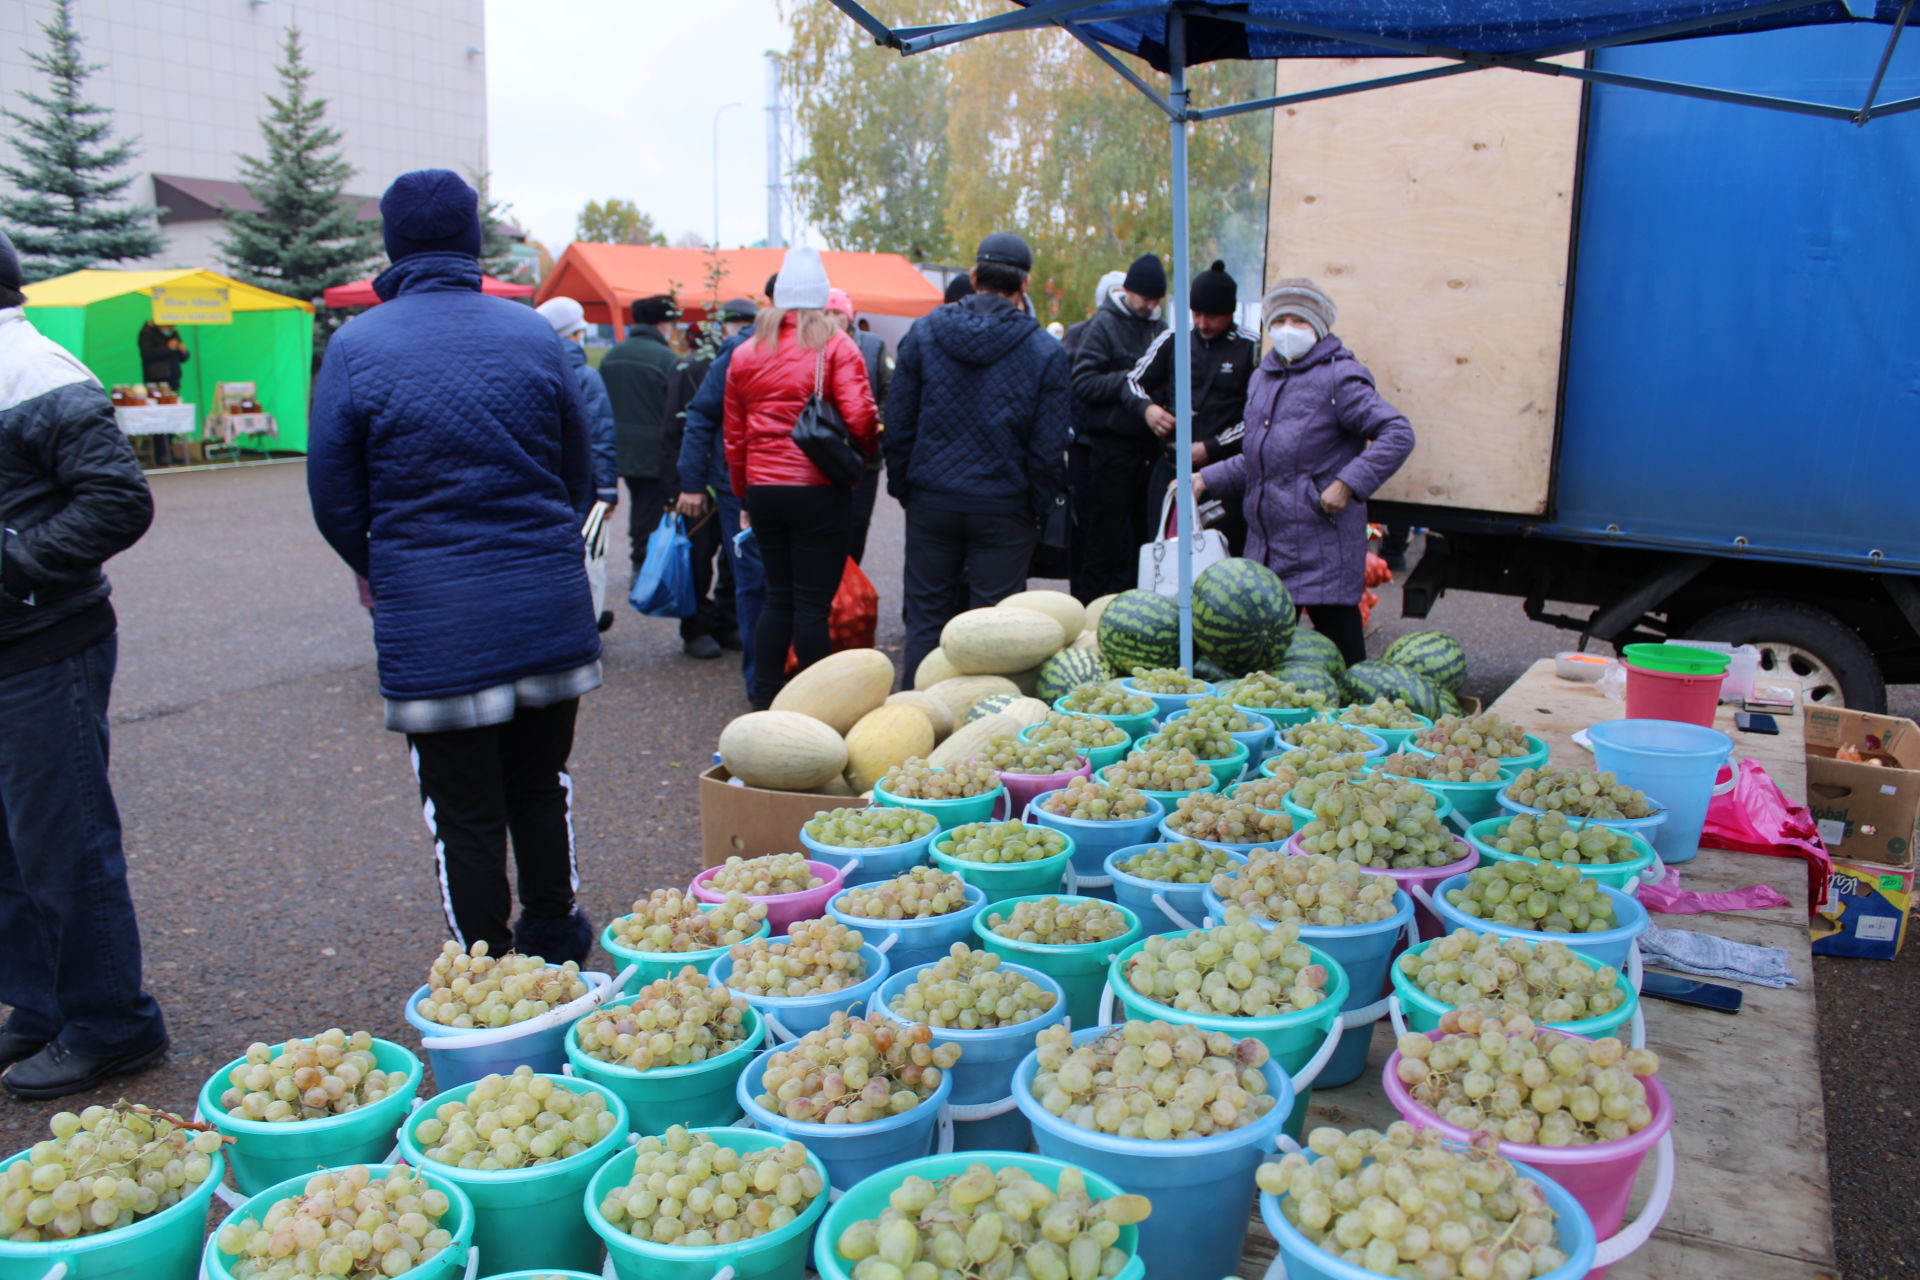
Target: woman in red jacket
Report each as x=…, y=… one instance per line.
x=801, y=521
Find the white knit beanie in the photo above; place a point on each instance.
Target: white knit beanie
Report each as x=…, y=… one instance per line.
x=566, y=315
x=803, y=281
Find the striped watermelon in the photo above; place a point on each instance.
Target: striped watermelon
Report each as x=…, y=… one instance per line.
x=1242, y=616
x=1434, y=654
x=1208, y=671
x=1140, y=629
x=1068, y=669
x=1367, y=681
x=1308, y=675
x=1310, y=646
x=989, y=705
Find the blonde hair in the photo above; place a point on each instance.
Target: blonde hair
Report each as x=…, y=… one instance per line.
x=813, y=327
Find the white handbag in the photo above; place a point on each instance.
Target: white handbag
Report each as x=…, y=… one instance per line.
x=594, y=534
x=1160, y=559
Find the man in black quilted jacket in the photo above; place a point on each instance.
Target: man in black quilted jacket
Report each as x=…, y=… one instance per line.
x=71, y=495
x=977, y=425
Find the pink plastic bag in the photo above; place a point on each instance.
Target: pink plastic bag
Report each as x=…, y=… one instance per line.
x=1755, y=818
x=1668, y=898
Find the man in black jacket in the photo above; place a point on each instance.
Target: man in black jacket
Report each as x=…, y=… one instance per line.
x=976, y=440
x=636, y=373
x=1224, y=357
x=1113, y=519
x=71, y=495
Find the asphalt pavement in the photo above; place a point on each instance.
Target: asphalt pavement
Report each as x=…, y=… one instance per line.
x=285, y=881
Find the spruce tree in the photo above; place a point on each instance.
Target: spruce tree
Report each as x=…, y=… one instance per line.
x=306, y=237
x=67, y=214
x=496, y=247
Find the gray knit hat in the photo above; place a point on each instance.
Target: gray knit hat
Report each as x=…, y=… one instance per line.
x=1299, y=297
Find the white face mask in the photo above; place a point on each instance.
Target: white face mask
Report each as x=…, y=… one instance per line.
x=1291, y=342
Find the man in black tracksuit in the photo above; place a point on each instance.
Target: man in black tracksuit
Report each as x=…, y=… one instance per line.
x=1113, y=518
x=976, y=442
x=1224, y=357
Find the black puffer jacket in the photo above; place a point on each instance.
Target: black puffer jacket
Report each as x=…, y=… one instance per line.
x=1110, y=346
x=978, y=414
x=71, y=494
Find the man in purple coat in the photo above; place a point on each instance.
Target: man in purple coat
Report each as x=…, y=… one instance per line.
x=1319, y=440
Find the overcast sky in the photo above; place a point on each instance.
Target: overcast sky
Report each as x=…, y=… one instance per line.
x=594, y=98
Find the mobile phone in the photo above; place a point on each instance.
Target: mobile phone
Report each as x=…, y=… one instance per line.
x=1702, y=995
x=1755, y=722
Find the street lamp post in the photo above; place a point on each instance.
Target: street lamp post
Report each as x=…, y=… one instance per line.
x=716, y=168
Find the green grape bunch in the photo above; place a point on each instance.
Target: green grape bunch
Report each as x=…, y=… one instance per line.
x=1264, y=689
x=1092, y=801
x=1526, y=1083
x=1160, y=769
x=102, y=1169
x=1218, y=713
x=329, y=1075
x=1169, y=680
x=917, y=893
x=691, y=1192
x=670, y=921
x=771, y=875
x=815, y=957
x=1382, y=713
x=1082, y=733
x=876, y=827
x=1059, y=922
x=1177, y=862
x=1308, y=762
x=1006, y=753
x=1380, y=822
x=343, y=1222
x=1340, y=738
x=1234, y=819
x=1486, y=735
x=1237, y=970
x=515, y=1121
x=1308, y=889
x=1311, y=787
x=1003, y=842
x=671, y=1022
x=968, y=990
x=915, y=779
x=1455, y=764
x=1207, y=739
x=1267, y=791
x=992, y=1222
x=1544, y=981
x=855, y=1070
x=474, y=989
x=1546, y=896
x=1554, y=837
x=1108, y=698
x=1579, y=793
x=1161, y=1081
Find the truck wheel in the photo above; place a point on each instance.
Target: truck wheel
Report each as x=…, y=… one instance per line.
x=1838, y=668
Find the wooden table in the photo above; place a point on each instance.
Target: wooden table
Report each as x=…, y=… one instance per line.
x=1750, y=1200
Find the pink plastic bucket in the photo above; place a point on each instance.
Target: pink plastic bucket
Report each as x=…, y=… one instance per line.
x=783, y=908
x=1426, y=878
x=1600, y=1176
x=1022, y=788
x=1668, y=695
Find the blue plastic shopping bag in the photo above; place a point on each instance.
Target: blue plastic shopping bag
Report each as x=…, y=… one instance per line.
x=664, y=586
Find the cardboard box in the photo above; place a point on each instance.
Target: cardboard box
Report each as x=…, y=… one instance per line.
x=1865, y=811
x=1865, y=914
x=743, y=821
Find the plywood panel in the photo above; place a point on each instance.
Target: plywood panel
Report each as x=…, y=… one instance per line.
x=1437, y=216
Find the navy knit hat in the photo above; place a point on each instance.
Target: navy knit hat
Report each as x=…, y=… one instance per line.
x=1147, y=277
x=1214, y=292
x=430, y=211
x=958, y=288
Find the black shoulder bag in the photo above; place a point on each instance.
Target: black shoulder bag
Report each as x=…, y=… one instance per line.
x=821, y=434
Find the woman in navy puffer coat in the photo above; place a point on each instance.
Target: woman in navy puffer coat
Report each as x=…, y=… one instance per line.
x=449, y=464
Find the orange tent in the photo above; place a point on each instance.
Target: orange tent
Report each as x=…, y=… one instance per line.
x=606, y=278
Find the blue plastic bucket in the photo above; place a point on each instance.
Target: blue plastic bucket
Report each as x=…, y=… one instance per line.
x=865, y=865
x=1137, y=893
x=264, y=1152
x=777, y=1255
x=1093, y=841
x=1167, y=832
x=1379, y=747
x=984, y=1073
x=1532, y=758
x=801, y=1014
x=915, y=942
x=1281, y=718
x=216, y=1264
x=699, y=1093
x=526, y=1217
x=1609, y=946
x=1646, y=828
x=1096, y=757
x=1675, y=762
x=1256, y=741
x=1167, y=799
x=1302, y=1259
x=850, y=1152
x=1394, y=738
x=1167, y=703
x=948, y=813
x=1080, y=969
x=461, y=1055
x=649, y=965
x=1303, y=814
x=166, y=1243
x=1617, y=875
x=1002, y=880
x=1201, y=1188
x=1137, y=724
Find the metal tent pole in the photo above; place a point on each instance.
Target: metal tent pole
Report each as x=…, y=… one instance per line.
x=1182, y=326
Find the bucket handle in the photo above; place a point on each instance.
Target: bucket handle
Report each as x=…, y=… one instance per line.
x=1106, y=1004
x=964, y=1112
x=1303, y=1078
x=943, y=1131
x=1396, y=1015
x=565, y=1013
x=473, y=1262
x=1641, y=1229
x=1636, y=965
x=1160, y=900
x=226, y=1195
x=1364, y=1016
x=886, y=944
x=1418, y=892
x=55, y=1271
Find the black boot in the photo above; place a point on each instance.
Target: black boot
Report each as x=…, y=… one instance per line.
x=555, y=939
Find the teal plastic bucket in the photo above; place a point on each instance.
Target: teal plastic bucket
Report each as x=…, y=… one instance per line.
x=526, y=1217
x=1379, y=747
x=948, y=813
x=1256, y=741
x=1647, y=828
x=1302, y=814
x=461, y=1055
x=1080, y=969
x=1675, y=762
x=859, y=865
x=1396, y=739
x=700, y=1093
x=1294, y=1039
x=851, y=1152
x=1471, y=801
x=1167, y=703
x=164, y=1244
x=544, y=1273
x=869, y=1200
x=1608, y=946
x=1281, y=718
x=457, y=1221
x=1169, y=833
x=777, y=1255
x=1157, y=902
x=1302, y=1259
x=1096, y=757
x=984, y=1074
x=264, y=1153
x=1616, y=875
x=914, y=942
x=1092, y=840
x=1201, y=1188
x=1167, y=800
x=650, y=965
x=1534, y=756
x=801, y=1014
x=1422, y=1012
x=1138, y=724
x=1000, y=881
